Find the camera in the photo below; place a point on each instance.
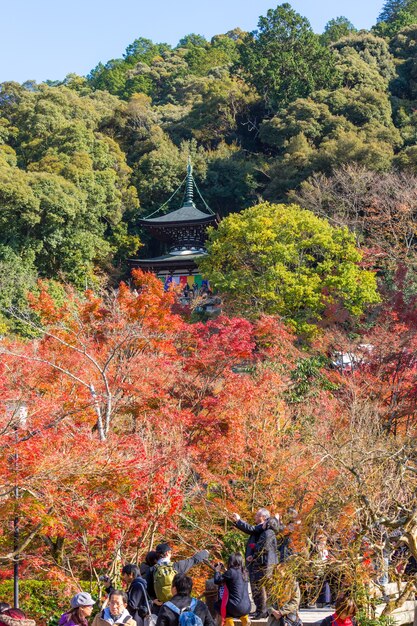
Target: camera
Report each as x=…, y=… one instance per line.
x=104, y=579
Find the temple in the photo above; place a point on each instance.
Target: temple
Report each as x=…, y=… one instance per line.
x=182, y=232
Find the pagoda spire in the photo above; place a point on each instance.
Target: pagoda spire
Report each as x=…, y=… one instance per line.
x=189, y=185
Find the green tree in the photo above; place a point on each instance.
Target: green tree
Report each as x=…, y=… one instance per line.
x=369, y=49
x=202, y=58
x=281, y=259
x=79, y=84
x=66, y=200
x=144, y=50
x=46, y=217
x=161, y=170
x=110, y=77
x=334, y=128
x=388, y=30
x=284, y=58
x=393, y=8
x=118, y=76
x=337, y=28
x=353, y=123
x=158, y=78
x=403, y=47
x=230, y=183
x=18, y=276
x=395, y=15
x=192, y=41
x=228, y=44
x=213, y=108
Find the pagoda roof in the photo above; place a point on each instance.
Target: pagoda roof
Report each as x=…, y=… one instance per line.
x=169, y=261
x=187, y=213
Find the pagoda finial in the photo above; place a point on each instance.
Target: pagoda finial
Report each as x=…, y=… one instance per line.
x=189, y=186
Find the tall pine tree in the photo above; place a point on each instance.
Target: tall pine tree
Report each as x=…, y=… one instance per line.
x=392, y=9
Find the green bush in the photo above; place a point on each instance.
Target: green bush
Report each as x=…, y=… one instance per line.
x=384, y=620
x=43, y=600
x=233, y=541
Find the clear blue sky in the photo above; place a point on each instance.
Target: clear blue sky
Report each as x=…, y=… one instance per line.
x=44, y=39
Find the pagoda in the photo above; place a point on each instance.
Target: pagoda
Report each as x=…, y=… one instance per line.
x=183, y=232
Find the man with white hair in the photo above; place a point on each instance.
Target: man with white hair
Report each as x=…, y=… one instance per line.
x=254, y=531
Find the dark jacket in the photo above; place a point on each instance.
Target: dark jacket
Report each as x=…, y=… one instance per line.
x=167, y=617
x=144, y=569
x=238, y=603
x=181, y=567
x=266, y=550
x=136, y=602
x=253, y=532
x=284, y=547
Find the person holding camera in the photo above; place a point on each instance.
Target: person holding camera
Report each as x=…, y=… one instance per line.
x=254, y=531
x=235, y=601
x=264, y=559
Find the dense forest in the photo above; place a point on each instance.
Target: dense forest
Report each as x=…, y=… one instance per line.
x=273, y=114
x=125, y=419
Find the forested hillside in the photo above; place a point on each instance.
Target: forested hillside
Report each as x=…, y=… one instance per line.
x=124, y=418
x=271, y=114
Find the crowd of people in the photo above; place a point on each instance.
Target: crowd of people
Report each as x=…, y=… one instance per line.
x=159, y=591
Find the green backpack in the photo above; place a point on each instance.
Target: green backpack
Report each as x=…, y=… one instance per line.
x=163, y=576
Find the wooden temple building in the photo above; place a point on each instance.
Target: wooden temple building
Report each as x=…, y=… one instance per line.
x=182, y=235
